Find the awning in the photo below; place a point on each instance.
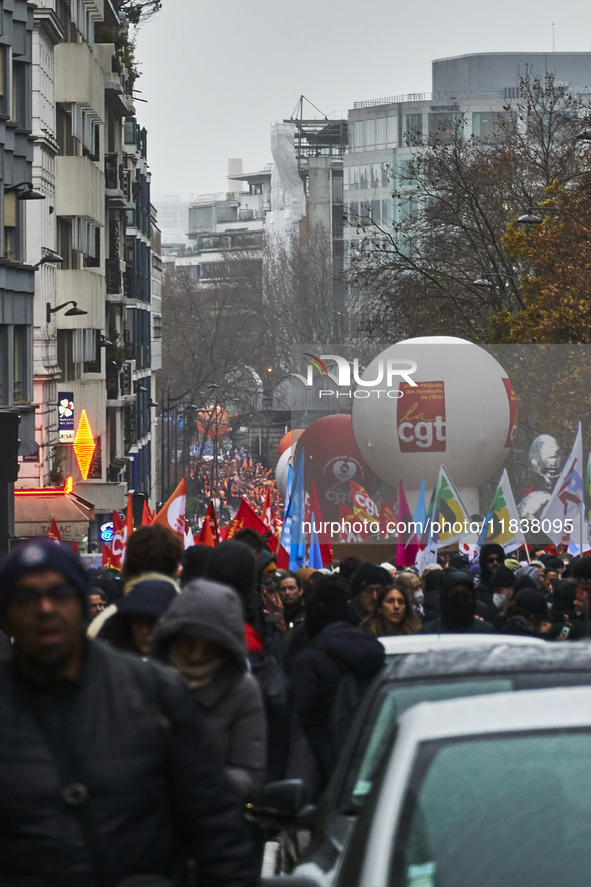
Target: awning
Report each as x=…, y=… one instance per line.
x=33, y=514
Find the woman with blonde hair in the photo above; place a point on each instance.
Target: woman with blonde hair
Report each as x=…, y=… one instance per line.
x=394, y=614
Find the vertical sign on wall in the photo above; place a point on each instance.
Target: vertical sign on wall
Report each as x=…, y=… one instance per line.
x=65, y=400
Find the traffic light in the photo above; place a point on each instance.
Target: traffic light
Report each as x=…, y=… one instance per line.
x=9, y=445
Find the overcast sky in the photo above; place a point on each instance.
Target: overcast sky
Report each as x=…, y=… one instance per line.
x=217, y=73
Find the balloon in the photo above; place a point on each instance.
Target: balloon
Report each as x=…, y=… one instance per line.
x=332, y=459
x=290, y=439
x=214, y=423
x=462, y=414
x=281, y=472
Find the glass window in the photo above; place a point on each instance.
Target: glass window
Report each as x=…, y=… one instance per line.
x=392, y=701
x=20, y=385
x=3, y=54
x=486, y=125
x=364, y=176
x=370, y=135
x=497, y=811
x=376, y=211
x=381, y=132
x=20, y=91
x=413, y=129
x=444, y=127
x=376, y=175
x=12, y=238
x=4, y=395
x=387, y=215
x=392, y=136
x=385, y=174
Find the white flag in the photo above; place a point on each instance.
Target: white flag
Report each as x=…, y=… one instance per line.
x=563, y=519
x=501, y=524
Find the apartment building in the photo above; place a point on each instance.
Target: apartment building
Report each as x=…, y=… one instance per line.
x=91, y=238
x=385, y=133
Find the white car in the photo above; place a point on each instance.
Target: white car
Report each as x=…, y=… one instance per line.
x=486, y=791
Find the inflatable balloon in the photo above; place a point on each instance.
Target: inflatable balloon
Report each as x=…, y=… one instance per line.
x=332, y=460
x=462, y=413
x=281, y=472
x=290, y=439
x=213, y=423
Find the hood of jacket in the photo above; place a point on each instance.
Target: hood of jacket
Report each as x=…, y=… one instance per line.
x=233, y=563
x=487, y=549
x=209, y=610
x=353, y=650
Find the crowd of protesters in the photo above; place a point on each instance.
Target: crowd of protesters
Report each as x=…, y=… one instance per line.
x=140, y=712
x=238, y=477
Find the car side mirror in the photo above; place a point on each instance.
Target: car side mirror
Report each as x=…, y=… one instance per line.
x=278, y=803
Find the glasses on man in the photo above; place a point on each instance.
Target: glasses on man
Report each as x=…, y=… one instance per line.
x=27, y=596
x=493, y=559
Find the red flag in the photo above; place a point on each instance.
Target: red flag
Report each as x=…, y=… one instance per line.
x=408, y=543
x=268, y=516
x=211, y=516
x=246, y=516
x=224, y=533
x=128, y=520
x=387, y=516
x=205, y=536
x=107, y=559
x=54, y=533
x=346, y=522
x=117, y=542
x=75, y=548
x=282, y=559
x=147, y=516
x=172, y=513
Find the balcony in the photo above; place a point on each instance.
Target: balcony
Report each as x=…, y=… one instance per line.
x=79, y=189
x=117, y=183
x=113, y=276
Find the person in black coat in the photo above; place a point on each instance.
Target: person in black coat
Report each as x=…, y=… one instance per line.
x=106, y=769
x=336, y=649
x=457, y=607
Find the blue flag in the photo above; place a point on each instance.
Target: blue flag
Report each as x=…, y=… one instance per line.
x=297, y=552
x=314, y=555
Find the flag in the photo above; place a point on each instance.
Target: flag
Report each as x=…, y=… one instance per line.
x=282, y=559
x=387, y=517
x=408, y=545
x=211, y=516
x=188, y=540
x=449, y=520
x=314, y=555
x=285, y=537
x=420, y=512
x=323, y=539
x=205, y=536
x=563, y=517
x=365, y=509
x=297, y=551
x=147, y=516
x=128, y=525
x=54, y=533
x=346, y=521
x=268, y=516
x=107, y=558
x=75, y=548
x=117, y=542
x=246, y=516
x=501, y=515
x=172, y=513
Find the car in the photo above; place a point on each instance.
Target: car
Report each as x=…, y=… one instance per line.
x=406, y=680
x=491, y=790
x=420, y=643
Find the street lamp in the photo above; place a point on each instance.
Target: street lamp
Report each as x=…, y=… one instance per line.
x=29, y=192
x=72, y=312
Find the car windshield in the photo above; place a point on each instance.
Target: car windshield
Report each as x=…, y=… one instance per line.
x=391, y=703
x=497, y=812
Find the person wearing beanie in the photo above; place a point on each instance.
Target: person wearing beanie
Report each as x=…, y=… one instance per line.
x=491, y=557
x=114, y=749
x=527, y=615
x=195, y=561
x=364, y=585
x=233, y=563
x=457, y=607
x=132, y=625
x=201, y=636
x=336, y=649
x=501, y=585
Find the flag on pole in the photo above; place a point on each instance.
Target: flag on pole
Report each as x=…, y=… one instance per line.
x=449, y=519
x=117, y=542
x=314, y=555
x=563, y=518
x=346, y=521
x=172, y=513
x=387, y=519
x=107, y=558
x=420, y=513
x=297, y=552
x=54, y=533
x=408, y=545
x=365, y=509
x=147, y=516
x=205, y=536
x=501, y=524
x=268, y=516
x=323, y=538
x=246, y=516
x=75, y=548
x=211, y=516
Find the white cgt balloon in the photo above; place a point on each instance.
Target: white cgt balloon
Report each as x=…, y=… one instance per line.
x=281, y=472
x=462, y=414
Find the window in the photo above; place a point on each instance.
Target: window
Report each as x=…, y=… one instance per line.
x=3, y=56
x=486, y=126
x=413, y=129
x=470, y=797
x=444, y=127
x=64, y=245
x=65, y=357
x=20, y=363
x=94, y=365
x=12, y=239
x=255, y=188
x=4, y=397
x=20, y=112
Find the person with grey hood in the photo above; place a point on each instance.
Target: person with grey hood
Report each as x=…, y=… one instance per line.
x=201, y=636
